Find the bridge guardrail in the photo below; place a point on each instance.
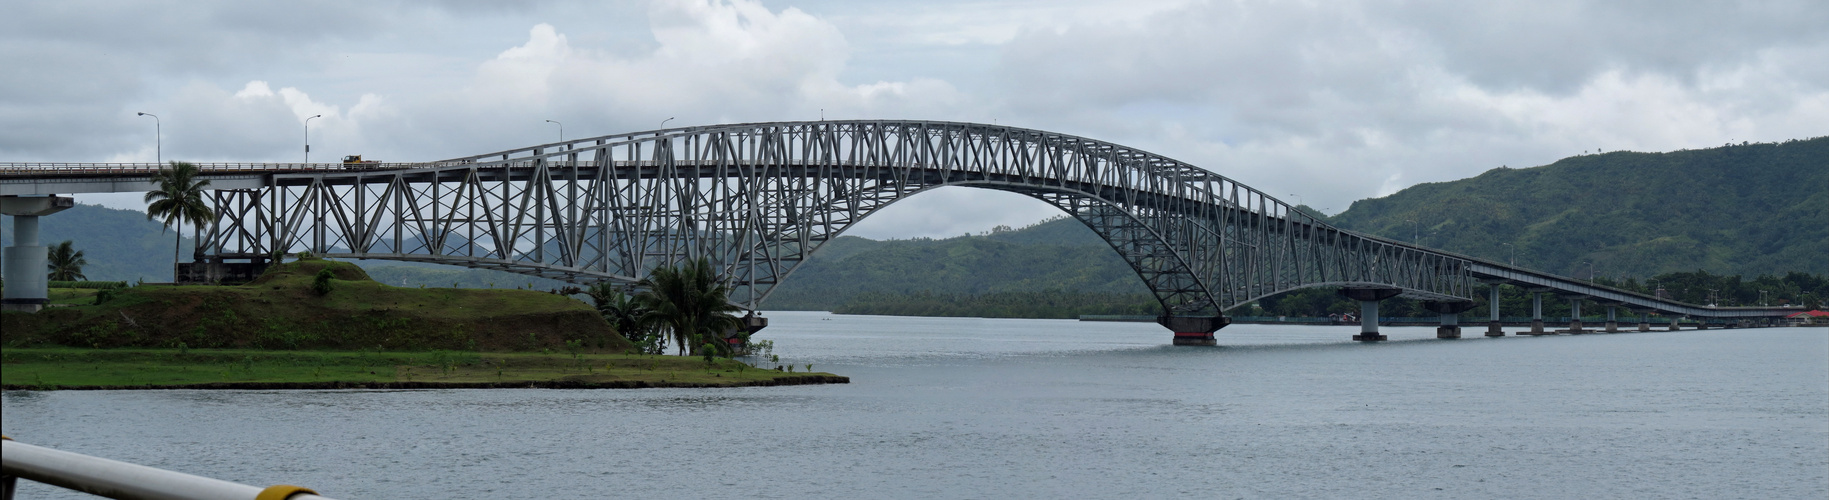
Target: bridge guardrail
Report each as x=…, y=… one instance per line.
x=114, y=479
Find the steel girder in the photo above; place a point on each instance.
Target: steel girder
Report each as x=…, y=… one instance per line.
x=758, y=199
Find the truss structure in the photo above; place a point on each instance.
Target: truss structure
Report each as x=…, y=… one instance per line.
x=758, y=199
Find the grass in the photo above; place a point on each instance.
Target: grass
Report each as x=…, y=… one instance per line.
x=80, y=296
x=281, y=311
x=75, y=368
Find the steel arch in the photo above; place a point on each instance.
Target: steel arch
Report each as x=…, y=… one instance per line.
x=758, y=199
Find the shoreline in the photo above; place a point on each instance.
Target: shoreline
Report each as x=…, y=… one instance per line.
x=530, y=384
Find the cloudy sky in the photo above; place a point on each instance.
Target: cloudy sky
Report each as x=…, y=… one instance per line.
x=1326, y=102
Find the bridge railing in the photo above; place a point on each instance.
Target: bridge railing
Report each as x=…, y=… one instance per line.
x=113, y=479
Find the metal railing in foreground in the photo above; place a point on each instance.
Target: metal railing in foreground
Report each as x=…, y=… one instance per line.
x=112, y=479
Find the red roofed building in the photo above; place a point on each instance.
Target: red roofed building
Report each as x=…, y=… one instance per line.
x=1809, y=317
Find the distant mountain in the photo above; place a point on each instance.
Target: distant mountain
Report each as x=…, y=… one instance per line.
x=1059, y=254
x=1737, y=210
x=120, y=245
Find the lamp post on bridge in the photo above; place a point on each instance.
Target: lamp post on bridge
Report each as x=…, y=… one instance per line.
x=158, y=138
x=1415, y=228
x=663, y=123
x=1513, y=250
x=308, y=137
x=561, y=129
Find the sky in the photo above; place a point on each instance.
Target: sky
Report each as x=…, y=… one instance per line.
x=1324, y=102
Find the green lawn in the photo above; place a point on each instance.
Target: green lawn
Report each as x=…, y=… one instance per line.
x=51, y=368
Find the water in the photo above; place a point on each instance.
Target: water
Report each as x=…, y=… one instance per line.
x=967, y=408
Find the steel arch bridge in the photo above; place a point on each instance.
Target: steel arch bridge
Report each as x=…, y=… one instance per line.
x=758, y=199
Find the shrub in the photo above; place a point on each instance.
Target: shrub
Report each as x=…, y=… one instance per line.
x=321, y=283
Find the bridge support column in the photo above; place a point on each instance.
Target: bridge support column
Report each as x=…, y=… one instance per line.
x=1537, y=314
x=1612, y=319
x=1493, y=329
x=1194, y=330
x=1644, y=320
x=1575, y=316
x=1673, y=323
x=1701, y=323
x=1450, y=317
x=1368, y=310
x=26, y=281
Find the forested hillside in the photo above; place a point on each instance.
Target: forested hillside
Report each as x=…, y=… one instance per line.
x=120, y=245
x=1736, y=210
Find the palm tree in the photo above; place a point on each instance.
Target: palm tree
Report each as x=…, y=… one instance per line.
x=66, y=263
x=621, y=311
x=178, y=198
x=691, y=303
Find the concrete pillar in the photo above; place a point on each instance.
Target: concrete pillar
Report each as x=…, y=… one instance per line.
x=1450, y=327
x=1450, y=317
x=1644, y=321
x=1492, y=305
x=1612, y=319
x=1536, y=314
x=26, y=279
x=1368, y=310
x=24, y=264
x=1368, y=322
x=1701, y=323
x=1673, y=323
x=1194, y=330
x=1575, y=316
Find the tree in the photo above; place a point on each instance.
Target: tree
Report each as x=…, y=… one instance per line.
x=176, y=198
x=65, y=262
x=690, y=302
x=625, y=314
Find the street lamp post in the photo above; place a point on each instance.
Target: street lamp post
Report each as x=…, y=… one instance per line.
x=663, y=123
x=561, y=129
x=308, y=137
x=158, y=138
x=1415, y=229
x=1513, y=251
x=1590, y=273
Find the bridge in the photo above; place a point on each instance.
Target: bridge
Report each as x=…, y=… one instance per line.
x=758, y=199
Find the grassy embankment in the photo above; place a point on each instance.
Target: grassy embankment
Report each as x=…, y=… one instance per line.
x=77, y=368
x=276, y=332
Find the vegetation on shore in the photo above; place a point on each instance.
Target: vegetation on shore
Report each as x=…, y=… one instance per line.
x=283, y=310
x=72, y=368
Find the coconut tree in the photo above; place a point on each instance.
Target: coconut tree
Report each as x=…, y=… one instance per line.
x=689, y=302
x=177, y=198
x=65, y=262
x=625, y=314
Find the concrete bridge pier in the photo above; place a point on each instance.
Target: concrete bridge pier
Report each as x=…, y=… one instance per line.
x=1612, y=319
x=1673, y=323
x=1537, y=312
x=1575, y=315
x=1451, y=317
x=1702, y=323
x=1368, y=310
x=26, y=280
x=1194, y=330
x=1493, y=329
x=1644, y=319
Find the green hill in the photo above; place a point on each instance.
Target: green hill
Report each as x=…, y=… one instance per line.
x=121, y=245
x=1735, y=210
x=280, y=310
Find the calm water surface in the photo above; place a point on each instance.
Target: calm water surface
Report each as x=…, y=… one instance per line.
x=970, y=408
